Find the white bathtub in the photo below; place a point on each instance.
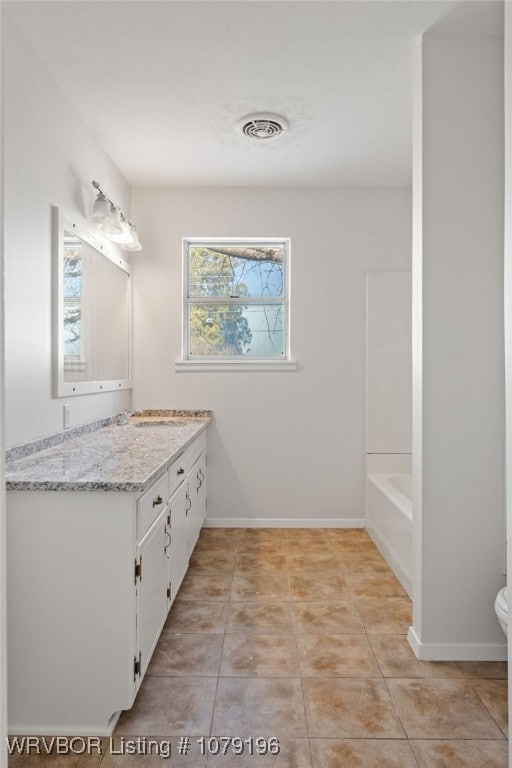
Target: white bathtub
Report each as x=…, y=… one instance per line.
x=389, y=520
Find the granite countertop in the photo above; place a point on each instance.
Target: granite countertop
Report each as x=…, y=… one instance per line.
x=109, y=458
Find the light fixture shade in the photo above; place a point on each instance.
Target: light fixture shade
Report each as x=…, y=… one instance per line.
x=113, y=223
x=134, y=244
x=101, y=209
x=125, y=237
x=113, y=226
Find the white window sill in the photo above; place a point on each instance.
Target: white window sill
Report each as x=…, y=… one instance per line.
x=186, y=366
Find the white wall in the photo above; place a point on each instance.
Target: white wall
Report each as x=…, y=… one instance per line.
x=458, y=421
x=50, y=157
x=508, y=304
x=388, y=363
x=286, y=445
x=3, y=532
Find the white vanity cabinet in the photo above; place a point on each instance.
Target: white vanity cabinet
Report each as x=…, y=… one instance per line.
x=187, y=509
x=197, y=492
x=91, y=577
x=178, y=532
x=153, y=598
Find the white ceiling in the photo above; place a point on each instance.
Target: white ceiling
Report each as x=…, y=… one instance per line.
x=162, y=84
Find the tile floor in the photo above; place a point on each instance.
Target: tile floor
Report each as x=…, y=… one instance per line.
x=300, y=634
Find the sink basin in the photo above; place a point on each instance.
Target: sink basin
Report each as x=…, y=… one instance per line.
x=157, y=423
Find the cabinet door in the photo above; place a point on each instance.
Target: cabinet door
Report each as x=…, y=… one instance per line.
x=177, y=551
x=198, y=500
x=151, y=588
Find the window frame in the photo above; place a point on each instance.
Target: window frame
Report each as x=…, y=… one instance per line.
x=235, y=362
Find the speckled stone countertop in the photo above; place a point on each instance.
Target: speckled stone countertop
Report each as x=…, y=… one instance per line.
x=109, y=458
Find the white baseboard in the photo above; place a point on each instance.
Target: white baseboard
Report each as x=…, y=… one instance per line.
x=70, y=732
x=261, y=522
x=456, y=651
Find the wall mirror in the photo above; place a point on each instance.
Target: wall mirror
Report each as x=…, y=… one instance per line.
x=91, y=334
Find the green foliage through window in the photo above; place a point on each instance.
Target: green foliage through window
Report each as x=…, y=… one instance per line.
x=236, y=299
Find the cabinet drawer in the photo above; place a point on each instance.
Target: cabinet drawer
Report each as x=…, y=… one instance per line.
x=196, y=449
x=179, y=470
x=151, y=504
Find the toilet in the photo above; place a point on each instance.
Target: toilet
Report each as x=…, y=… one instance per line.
x=501, y=608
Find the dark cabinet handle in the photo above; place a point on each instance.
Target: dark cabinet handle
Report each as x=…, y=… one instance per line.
x=157, y=501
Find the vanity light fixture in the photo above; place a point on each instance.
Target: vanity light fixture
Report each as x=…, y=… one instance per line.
x=113, y=223
x=122, y=235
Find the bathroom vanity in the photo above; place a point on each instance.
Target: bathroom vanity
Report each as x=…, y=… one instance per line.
x=100, y=530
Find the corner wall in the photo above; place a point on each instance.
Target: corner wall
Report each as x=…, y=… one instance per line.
x=508, y=313
x=458, y=362
x=285, y=446
x=49, y=157
x=3, y=517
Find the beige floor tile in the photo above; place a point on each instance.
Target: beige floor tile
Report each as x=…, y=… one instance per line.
x=350, y=708
x=151, y=752
x=260, y=586
x=219, y=534
x=375, y=585
x=151, y=760
x=306, y=534
x=246, y=563
x=174, y=706
x=347, y=533
x=263, y=706
x=293, y=753
x=487, y=669
x=31, y=759
x=312, y=563
x=261, y=607
x=195, y=616
x=318, y=586
x=190, y=760
x=262, y=655
x=388, y=615
x=461, y=754
x=212, y=562
x=199, y=586
x=494, y=696
x=336, y=656
x=216, y=546
x=187, y=655
x=442, y=709
x=305, y=547
x=261, y=535
x=327, y=617
x=363, y=564
x=354, y=546
x=396, y=659
x=252, y=616
x=362, y=753
x=260, y=549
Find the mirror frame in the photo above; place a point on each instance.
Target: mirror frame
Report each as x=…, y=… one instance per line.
x=62, y=388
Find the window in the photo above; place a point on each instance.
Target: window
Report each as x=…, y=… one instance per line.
x=236, y=301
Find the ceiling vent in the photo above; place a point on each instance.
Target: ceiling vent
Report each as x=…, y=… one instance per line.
x=262, y=126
